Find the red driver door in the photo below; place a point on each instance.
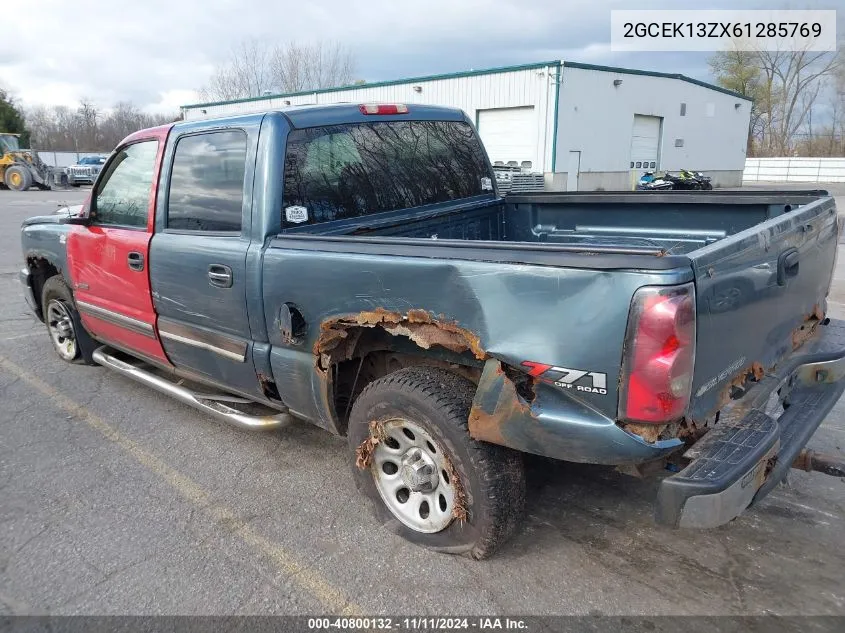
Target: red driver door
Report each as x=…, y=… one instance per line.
x=108, y=258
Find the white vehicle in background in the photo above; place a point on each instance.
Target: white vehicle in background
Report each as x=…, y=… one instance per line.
x=85, y=172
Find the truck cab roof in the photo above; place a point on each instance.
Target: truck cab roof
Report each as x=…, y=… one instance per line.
x=303, y=116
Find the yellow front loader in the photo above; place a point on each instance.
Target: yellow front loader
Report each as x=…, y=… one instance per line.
x=20, y=169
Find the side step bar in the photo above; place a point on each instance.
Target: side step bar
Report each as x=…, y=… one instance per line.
x=191, y=398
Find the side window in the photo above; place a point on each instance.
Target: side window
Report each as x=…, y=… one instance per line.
x=123, y=194
x=207, y=182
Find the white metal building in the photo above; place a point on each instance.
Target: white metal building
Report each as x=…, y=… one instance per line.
x=585, y=127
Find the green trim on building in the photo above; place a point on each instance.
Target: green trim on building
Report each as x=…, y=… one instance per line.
x=475, y=73
x=652, y=73
x=558, y=77
x=379, y=84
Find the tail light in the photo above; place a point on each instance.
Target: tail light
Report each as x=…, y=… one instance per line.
x=383, y=108
x=658, y=355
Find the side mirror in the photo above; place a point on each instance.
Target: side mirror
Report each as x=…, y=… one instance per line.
x=76, y=214
x=80, y=220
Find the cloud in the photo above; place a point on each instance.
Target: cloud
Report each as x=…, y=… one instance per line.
x=156, y=53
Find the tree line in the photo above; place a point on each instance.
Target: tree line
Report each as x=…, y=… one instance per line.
x=87, y=128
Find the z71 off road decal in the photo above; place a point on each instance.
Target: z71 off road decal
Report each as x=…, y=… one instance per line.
x=568, y=378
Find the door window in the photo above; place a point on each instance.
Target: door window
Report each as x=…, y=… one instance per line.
x=207, y=182
x=123, y=194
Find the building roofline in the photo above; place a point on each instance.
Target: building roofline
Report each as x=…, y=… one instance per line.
x=475, y=73
x=653, y=73
x=378, y=84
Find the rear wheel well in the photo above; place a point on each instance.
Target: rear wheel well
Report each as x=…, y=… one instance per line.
x=379, y=353
x=40, y=270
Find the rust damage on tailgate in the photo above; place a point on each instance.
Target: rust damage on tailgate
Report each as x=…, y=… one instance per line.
x=690, y=431
x=739, y=384
x=754, y=373
x=503, y=395
x=339, y=335
x=805, y=331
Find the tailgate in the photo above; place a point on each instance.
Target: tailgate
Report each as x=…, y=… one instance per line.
x=759, y=295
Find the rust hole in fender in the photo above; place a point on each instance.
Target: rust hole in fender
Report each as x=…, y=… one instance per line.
x=336, y=339
x=513, y=393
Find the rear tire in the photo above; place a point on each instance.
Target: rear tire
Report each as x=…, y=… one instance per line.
x=18, y=178
x=479, y=487
x=70, y=339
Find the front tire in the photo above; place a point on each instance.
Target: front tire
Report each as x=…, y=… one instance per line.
x=69, y=338
x=427, y=479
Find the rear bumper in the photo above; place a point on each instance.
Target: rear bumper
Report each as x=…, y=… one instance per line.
x=753, y=446
x=26, y=282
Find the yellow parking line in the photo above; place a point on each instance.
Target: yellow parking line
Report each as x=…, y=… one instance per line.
x=310, y=580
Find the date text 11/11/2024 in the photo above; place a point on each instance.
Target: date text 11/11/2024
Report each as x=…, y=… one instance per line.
x=424, y=623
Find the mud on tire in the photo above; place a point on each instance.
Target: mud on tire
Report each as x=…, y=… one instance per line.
x=490, y=478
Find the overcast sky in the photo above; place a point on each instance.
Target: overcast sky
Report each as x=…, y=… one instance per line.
x=156, y=53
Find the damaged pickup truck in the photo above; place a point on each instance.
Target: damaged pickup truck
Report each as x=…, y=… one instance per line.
x=355, y=267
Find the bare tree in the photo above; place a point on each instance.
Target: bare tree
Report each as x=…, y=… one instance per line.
x=87, y=128
x=88, y=117
x=784, y=86
x=254, y=68
x=793, y=80
x=296, y=67
x=244, y=74
x=837, y=107
x=737, y=70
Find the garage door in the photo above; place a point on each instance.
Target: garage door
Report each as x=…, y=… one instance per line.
x=509, y=134
x=645, y=142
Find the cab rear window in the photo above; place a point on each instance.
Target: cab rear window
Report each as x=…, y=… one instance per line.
x=352, y=170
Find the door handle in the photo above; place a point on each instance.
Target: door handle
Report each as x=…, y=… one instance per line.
x=220, y=276
x=135, y=260
x=788, y=265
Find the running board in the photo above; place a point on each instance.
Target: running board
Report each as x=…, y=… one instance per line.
x=205, y=403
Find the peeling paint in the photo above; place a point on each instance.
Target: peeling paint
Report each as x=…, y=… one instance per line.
x=649, y=432
x=805, y=331
x=459, y=508
x=738, y=385
x=365, y=450
x=417, y=325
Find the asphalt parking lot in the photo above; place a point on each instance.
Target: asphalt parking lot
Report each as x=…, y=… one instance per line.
x=115, y=499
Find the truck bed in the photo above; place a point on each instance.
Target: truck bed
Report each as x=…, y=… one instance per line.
x=642, y=223
x=762, y=260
